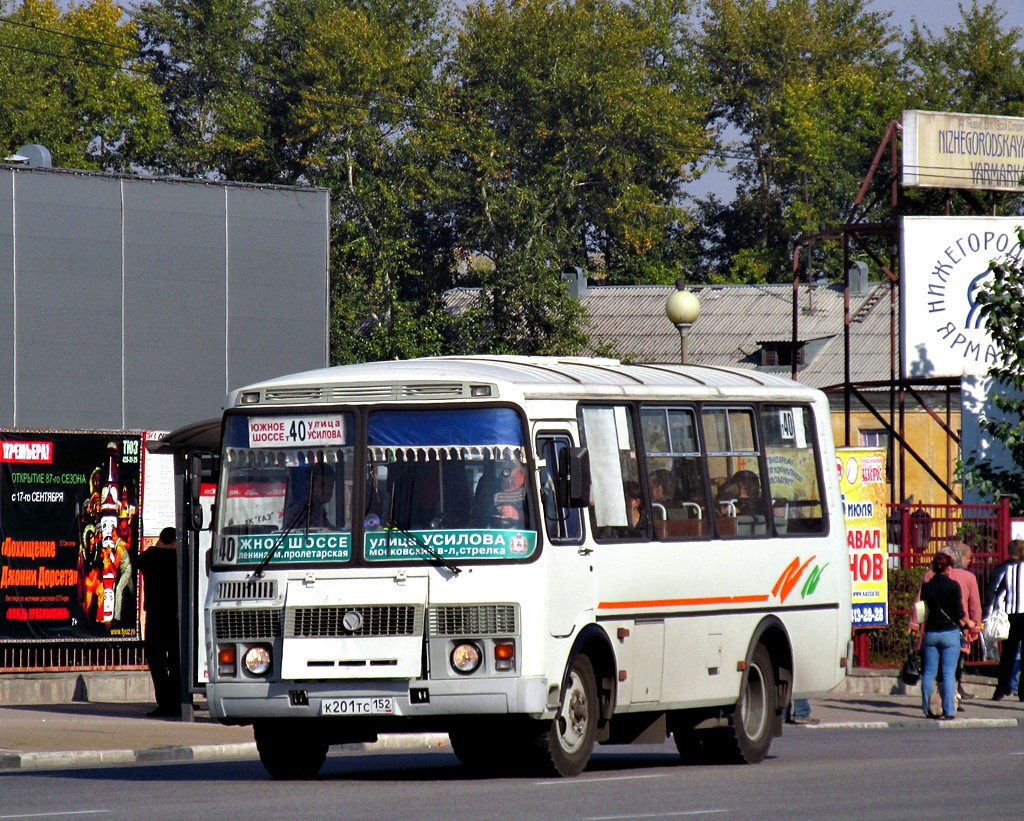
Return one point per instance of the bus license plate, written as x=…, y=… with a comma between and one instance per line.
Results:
x=356, y=706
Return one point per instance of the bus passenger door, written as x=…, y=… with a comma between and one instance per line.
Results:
x=570, y=577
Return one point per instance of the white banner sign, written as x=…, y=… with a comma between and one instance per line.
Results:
x=945, y=263
x=951, y=150
x=283, y=431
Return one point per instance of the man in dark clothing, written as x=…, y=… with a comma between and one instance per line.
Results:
x=159, y=566
x=1006, y=593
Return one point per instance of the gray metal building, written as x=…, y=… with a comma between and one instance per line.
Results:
x=136, y=303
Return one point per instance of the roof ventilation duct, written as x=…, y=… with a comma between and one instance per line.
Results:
x=32, y=155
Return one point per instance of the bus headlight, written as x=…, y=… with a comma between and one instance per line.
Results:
x=465, y=658
x=257, y=660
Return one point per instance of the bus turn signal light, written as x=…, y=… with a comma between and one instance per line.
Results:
x=227, y=660
x=504, y=655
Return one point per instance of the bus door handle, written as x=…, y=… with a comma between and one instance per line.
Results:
x=585, y=551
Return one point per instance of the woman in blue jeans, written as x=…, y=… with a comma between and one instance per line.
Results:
x=941, y=644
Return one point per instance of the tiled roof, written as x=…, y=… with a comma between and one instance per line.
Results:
x=734, y=322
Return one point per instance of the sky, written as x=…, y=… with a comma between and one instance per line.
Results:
x=936, y=14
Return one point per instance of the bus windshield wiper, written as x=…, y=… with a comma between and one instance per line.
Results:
x=299, y=515
x=453, y=568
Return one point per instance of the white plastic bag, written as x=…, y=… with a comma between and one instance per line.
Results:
x=997, y=626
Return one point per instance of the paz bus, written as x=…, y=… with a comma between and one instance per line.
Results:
x=533, y=555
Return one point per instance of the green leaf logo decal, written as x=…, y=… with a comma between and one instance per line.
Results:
x=812, y=581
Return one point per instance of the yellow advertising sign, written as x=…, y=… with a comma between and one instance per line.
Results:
x=865, y=494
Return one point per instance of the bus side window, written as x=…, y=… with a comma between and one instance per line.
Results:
x=562, y=524
x=793, y=470
x=675, y=476
x=735, y=470
x=618, y=508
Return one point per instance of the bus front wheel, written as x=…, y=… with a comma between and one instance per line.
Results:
x=563, y=745
x=288, y=751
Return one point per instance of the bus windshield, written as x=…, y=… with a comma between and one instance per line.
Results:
x=286, y=489
x=449, y=483
x=443, y=485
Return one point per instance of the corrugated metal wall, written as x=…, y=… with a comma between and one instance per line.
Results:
x=137, y=303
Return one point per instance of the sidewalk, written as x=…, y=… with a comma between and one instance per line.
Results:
x=98, y=733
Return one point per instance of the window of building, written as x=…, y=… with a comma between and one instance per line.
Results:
x=874, y=438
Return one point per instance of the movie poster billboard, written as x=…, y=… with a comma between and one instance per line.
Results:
x=865, y=491
x=69, y=535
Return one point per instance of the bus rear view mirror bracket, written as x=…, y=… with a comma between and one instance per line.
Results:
x=577, y=480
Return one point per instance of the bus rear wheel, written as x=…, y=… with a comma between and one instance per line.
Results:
x=289, y=751
x=752, y=725
x=562, y=746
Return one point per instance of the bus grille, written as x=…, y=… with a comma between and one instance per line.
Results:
x=263, y=589
x=373, y=620
x=473, y=620
x=247, y=623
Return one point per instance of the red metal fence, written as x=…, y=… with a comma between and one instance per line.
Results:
x=48, y=657
x=915, y=533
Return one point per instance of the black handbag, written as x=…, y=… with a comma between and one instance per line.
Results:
x=911, y=672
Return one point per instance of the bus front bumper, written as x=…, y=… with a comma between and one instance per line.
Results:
x=245, y=701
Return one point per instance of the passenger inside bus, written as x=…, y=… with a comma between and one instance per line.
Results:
x=748, y=492
x=663, y=485
x=740, y=500
x=635, y=504
x=509, y=500
x=311, y=496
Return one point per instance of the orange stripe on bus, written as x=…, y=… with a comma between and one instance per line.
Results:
x=616, y=605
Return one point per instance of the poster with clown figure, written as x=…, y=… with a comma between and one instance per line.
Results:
x=69, y=531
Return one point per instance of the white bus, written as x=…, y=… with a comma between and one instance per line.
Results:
x=533, y=555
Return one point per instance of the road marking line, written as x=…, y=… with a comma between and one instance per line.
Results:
x=54, y=814
x=569, y=782
x=654, y=815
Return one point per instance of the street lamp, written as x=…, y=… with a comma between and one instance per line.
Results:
x=682, y=309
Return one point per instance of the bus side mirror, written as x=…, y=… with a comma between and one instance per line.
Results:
x=577, y=478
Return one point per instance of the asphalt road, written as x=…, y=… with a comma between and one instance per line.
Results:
x=889, y=774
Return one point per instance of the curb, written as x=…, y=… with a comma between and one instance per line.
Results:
x=918, y=724
x=196, y=752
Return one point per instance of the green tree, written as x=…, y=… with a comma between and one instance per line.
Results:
x=807, y=87
x=70, y=81
x=1002, y=307
x=974, y=66
x=352, y=111
x=576, y=126
x=201, y=55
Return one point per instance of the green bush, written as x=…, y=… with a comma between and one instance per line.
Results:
x=889, y=646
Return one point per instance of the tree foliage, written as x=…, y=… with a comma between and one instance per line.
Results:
x=356, y=102
x=807, y=87
x=201, y=55
x=575, y=126
x=71, y=82
x=974, y=66
x=495, y=143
